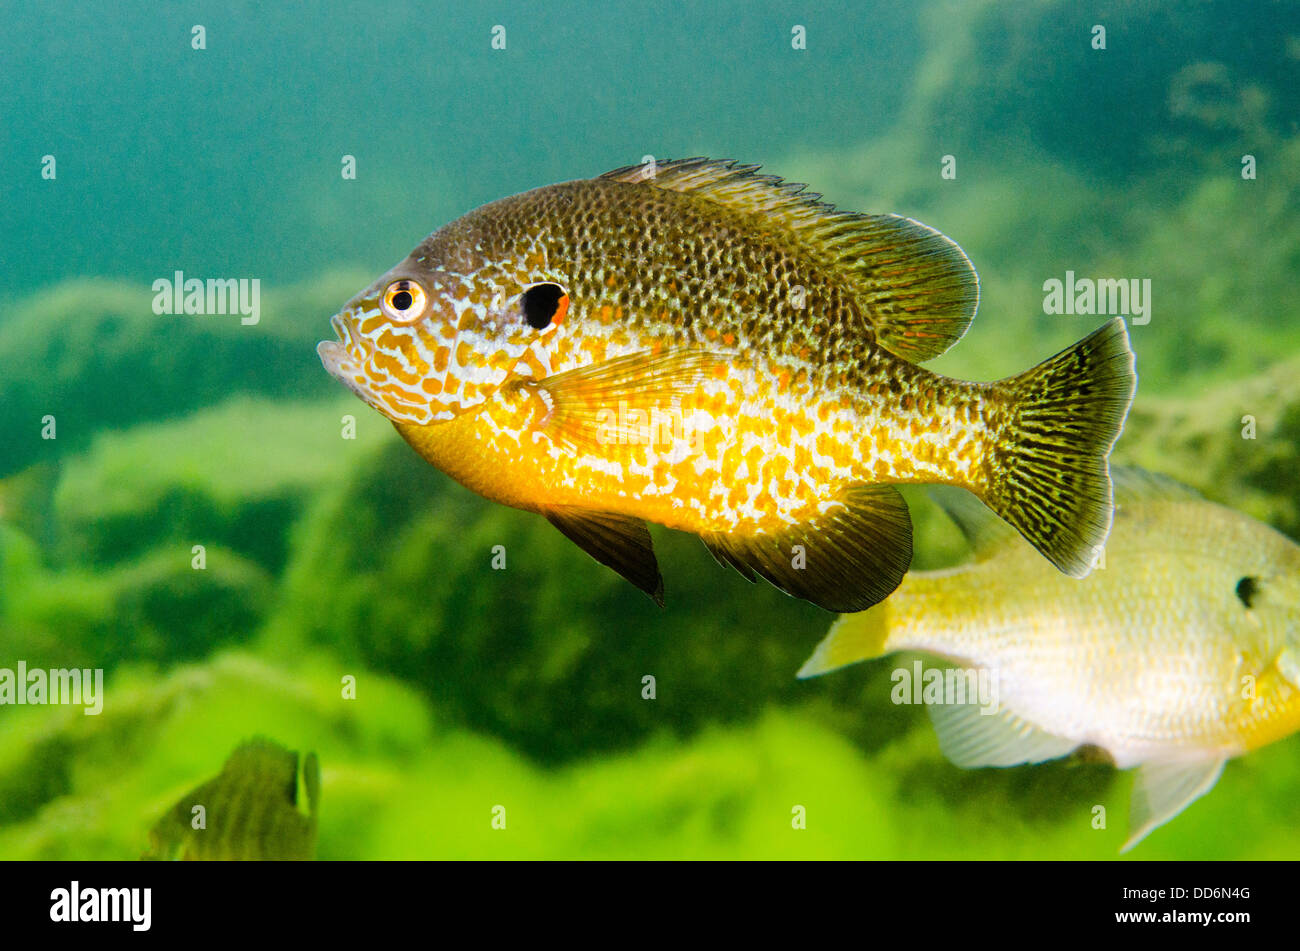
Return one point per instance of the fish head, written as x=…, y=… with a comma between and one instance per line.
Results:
x=1265, y=600
x=1271, y=594
x=437, y=335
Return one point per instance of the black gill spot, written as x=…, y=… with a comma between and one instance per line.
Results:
x=539, y=304
x=1247, y=589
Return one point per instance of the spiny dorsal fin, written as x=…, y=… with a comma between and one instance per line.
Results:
x=915, y=285
x=986, y=533
x=845, y=559
x=1133, y=484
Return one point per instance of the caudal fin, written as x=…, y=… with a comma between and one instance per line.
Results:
x=853, y=637
x=1050, y=476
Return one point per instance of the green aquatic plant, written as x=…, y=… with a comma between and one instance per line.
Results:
x=78, y=352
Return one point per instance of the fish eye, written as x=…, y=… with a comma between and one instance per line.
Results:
x=544, y=304
x=404, y=301
x=1248, y=590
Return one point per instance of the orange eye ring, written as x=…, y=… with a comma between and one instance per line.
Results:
x=404, y=302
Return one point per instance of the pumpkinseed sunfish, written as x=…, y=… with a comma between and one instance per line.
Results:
x=697, y=345
x=249, y=810
x=1180, y=653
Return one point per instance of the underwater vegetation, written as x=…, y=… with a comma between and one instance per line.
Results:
x=249, y=551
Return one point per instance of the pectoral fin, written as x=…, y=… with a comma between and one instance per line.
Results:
x=626, y=400
x=846, y=559
x=618, y=541
x=1163, y=790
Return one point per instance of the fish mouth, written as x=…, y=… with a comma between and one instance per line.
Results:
x=336, y=357
x=333, y=353
x=346, y=359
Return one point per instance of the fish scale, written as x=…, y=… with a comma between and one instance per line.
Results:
x=779, y=338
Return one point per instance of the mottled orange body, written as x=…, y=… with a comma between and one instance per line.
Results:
x=715, y=351
x=774, y=448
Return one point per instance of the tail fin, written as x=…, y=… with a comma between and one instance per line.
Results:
x=853, y=637
x=1050, y=476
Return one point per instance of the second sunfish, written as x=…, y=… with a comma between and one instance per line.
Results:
x=694, y=344
x=1182, y=653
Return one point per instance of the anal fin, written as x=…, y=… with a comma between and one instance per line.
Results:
x=846, y=559
x=617, y=541
x=1163, y=790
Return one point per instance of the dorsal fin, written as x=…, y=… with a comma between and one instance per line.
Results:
x=986, y=533
x=915, y=285
x=1133, y=484
x=311, y=782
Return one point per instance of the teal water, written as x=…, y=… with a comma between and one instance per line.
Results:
x=327, y=558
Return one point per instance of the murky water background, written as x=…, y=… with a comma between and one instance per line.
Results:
x=1169, y=156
